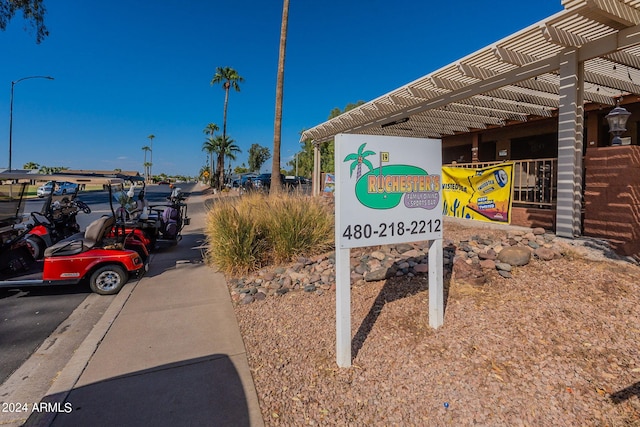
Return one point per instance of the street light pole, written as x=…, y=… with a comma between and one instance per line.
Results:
x=13, y=83
x=296, y=157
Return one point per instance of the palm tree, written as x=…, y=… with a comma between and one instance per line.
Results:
x=277, y=131
x=210, y=130
x=52, y=169
x=230, y=153
x=210, y=146
x=358, y=159
x=151, y=150
x=146, y=148
x=224, y=147
x=229, y=78
x=31, y=165
x=147, y=168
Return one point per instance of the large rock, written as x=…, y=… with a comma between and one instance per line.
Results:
x=515, y=255
x=413, y=253
x=421, y=268
x=488, y=264
x=403, y=247
x=381, y=273
x=545, y=254
x=470, y=274
x=489, y=254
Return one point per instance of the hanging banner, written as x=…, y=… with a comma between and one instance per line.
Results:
x=480, y=194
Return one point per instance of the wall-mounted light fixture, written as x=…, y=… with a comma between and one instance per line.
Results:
x=617, y=119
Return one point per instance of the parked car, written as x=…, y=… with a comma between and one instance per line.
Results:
x=241, y=181
x=295, y=180
x=60, y=188
x=264, y=180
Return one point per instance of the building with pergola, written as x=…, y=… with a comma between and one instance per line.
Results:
x=540, y=98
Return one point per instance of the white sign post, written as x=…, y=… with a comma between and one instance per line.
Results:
x=388, y=190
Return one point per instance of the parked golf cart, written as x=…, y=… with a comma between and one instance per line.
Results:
x=105, y=262
x=157, y=224
x=13, y=249
x=57, y=218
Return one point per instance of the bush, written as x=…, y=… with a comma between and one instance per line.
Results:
x=296, y=225
x=251, y=231
x=234, y=240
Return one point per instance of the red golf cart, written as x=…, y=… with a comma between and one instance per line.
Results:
x=101, y=255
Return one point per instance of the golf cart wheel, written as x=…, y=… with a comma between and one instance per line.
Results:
x=36, y=246
x=108, y=280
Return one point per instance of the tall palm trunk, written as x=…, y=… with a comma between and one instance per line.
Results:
x=151, y=157
x=227, y=85
x=220, y=170
x=220, y=164
x=212, y=171
x=211, y=132
x=276, y=185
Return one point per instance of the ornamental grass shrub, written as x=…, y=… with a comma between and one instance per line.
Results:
x=249, y=232
x=235, y=240
x=297, y=225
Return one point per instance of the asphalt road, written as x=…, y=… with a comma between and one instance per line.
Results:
x=29, y=315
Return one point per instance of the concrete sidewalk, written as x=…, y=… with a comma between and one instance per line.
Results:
x=168, y=352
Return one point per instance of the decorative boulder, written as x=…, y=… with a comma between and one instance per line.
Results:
x=470, y=274
x=515, y=255
x=381, y=273
x=545, y=254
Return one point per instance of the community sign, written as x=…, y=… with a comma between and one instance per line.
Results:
x=390, y=190
x=479, y=194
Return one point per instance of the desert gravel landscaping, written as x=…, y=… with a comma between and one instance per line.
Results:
x=554, y=345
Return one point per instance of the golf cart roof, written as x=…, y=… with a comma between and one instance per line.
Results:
x=114, y=175
x=18, y=176
x=76, y=179
x=85, y=179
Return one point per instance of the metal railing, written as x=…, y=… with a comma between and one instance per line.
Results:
x=534, y=181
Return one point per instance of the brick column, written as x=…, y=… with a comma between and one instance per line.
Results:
x=612, y=197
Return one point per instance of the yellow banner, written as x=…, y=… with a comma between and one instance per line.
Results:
x=480, y=194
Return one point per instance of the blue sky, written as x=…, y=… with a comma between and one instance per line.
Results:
x=126, y=69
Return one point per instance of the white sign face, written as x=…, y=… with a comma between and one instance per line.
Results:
x=388, y=190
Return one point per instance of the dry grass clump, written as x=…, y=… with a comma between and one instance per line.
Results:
x=251, y=231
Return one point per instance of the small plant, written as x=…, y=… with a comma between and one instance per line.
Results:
x=249, y=232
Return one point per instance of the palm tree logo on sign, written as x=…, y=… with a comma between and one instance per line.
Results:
x=385, y=188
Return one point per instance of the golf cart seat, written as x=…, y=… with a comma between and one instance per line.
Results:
x=82, y=242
